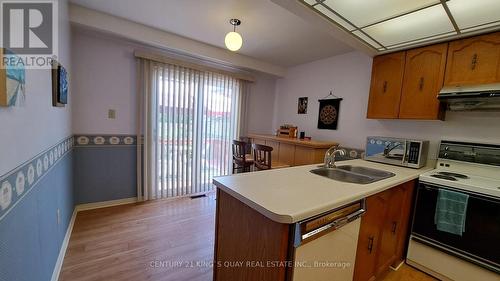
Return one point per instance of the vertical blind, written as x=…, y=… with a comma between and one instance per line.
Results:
x=188, y=119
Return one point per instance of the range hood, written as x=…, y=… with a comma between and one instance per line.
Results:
x=483, y=97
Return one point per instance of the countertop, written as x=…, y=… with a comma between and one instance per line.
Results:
x=295, y=141
x=293, y=194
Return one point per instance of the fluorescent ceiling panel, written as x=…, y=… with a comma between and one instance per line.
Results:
x=421, y=24
x=430, y=39
x=364, y=12
x=473, y=13
x=367, y=39
x=401, y=24
x=329, y=14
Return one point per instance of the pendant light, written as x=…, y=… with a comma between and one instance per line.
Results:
x=233, y=39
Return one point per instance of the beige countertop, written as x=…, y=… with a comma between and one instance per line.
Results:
x=295, y=141
x=293, y=194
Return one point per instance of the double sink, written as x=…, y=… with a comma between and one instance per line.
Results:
x=353, y=174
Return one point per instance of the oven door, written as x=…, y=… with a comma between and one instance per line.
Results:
x=478, y=244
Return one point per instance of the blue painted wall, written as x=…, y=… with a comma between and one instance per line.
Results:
x=30, y=236
x=104, y=173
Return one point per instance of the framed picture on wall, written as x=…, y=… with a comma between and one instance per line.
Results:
x=302, y=105
x=59, y=85
x=12, y=80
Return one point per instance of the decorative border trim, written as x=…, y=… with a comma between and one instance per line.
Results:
x=105, y=140
x=17, y=183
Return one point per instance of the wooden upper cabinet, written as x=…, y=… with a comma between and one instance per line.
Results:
x=423, y=79
x=385, y=89
x=474, y=60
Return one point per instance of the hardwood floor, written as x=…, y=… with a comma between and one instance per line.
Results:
x=143, y=242
x=408, y=273
x=157, y=240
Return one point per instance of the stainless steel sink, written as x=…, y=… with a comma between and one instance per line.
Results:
x=353, y=174
x=367, y=171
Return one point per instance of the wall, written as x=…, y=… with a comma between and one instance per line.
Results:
x=106, y=70
x=31, y=231
x=349, y=77
x=260, y=105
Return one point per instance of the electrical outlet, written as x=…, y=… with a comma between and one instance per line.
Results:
x=58, y=216
x=111, y=114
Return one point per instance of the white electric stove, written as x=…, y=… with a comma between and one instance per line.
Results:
x=469, y=169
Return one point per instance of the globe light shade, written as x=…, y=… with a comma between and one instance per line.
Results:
x=233, y=41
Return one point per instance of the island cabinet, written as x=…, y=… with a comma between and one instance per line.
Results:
x=250, y=246
x=292, y=151
x=384, y=232
x=247, y=243
x=474, y=60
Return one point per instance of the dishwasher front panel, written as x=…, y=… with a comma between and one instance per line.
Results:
x=328, y=257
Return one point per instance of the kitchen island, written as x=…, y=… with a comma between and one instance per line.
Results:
x=257, y=214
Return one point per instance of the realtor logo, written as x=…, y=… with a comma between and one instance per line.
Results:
x=29, y=30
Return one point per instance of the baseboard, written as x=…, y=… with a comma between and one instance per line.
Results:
x=64, y=246
x=104, y=204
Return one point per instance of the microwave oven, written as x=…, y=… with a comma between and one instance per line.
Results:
x=397, y=151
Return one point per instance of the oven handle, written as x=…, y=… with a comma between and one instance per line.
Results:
x=486, y=197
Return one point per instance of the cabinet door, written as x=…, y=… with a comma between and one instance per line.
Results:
x=369, y=237
x=388, y=248
x=276, y=148
x=474, y=60
x=287, y=153
x=423, y=79
x=385, y=89
x=303, y=156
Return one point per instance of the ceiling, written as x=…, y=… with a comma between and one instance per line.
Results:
x=388, y=25
x=270, y=33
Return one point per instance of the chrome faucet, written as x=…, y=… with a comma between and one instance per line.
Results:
x=330, y=156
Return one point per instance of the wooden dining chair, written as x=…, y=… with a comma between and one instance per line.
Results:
x=262, y=156
x=241, y=160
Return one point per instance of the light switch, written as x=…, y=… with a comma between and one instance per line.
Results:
x=111, y=114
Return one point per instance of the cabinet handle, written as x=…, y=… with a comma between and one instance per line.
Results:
x=473, y=62
x=370, y=244
x=385, y=87
x=421, y=83
x=394, y=226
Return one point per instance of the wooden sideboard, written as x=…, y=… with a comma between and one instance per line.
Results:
x=292, y=151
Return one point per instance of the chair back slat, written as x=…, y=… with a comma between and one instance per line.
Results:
x=262, y=156
x=239, y=148
x=241, y=163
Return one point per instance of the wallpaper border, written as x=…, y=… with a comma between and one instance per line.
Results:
x=17, y=183
x=82, y=140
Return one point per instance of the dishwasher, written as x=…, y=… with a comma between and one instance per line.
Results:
x=325, y=246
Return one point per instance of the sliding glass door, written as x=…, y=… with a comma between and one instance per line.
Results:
x=193, y=120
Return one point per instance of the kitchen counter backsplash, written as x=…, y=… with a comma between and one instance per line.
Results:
x=351, y=153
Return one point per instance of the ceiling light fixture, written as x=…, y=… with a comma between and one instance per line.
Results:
x=233, y=39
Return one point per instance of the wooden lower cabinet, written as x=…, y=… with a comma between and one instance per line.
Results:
x=245, y=240
x=384, y=231
x=294, y=152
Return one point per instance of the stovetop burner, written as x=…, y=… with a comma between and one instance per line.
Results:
x=445, y=177
x=455, y=175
